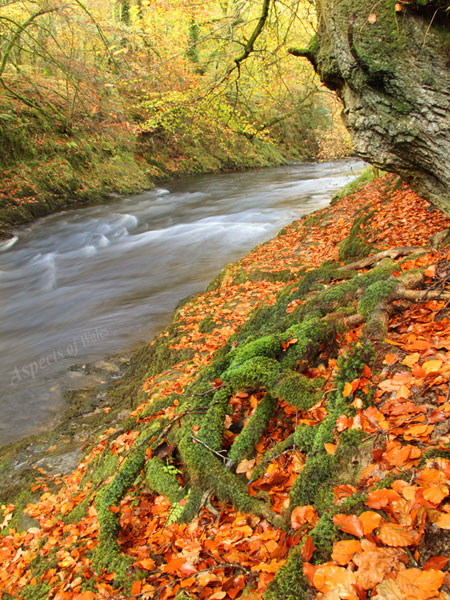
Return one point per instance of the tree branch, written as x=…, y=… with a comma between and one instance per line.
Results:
x=250, y=45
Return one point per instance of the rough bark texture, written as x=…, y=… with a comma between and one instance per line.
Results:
x=393, y=76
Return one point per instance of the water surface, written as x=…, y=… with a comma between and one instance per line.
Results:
x=89, y=282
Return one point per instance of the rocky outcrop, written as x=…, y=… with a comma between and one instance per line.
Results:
x=390, y=64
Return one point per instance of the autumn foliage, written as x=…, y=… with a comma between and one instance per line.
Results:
x=378, y=524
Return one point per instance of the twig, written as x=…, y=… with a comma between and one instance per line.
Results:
x=198, y=440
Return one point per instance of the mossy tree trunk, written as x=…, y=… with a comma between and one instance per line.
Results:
x=389, y=64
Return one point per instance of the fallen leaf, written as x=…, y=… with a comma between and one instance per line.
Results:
x=419, y=584
x=392, y=534
x=308, y=548
x=370, y=521
x=349, y=524
x=302, y=515
x=344, y=550
x=436, y=562
x=381, y=498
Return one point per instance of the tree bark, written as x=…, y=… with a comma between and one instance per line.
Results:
x=390, y=68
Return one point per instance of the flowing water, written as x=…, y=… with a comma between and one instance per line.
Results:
x=93, y=281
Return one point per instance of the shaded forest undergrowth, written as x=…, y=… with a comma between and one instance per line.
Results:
x=288, y=435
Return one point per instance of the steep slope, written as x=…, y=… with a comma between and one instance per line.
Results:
x=290, y=435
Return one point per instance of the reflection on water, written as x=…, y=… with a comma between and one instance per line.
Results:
x=87, y=282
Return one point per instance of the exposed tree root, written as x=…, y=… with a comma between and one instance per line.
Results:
x=266, y=361
x=392, y=253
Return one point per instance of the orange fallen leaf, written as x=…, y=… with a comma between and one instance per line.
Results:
x=436, y=562
x=308, y=548
x=330, y=448
x=392, y=534
x=330, y=577
x=343, y=491
x=436, y=493
x=302, y=515
x=418, y=584
x=432, y=366
x=146, y=563
x=443, y=521
x=390, y=359
x=136, y=588
x=348, y=389
x=411, y=359
x=271, y=567
x=381, y=498
x=344, y=550
x=370, y=521
x=349, y=524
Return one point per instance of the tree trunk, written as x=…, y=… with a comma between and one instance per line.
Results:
x=389, y=64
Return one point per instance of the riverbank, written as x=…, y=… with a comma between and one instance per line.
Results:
x=45, y=169
x=284, y=368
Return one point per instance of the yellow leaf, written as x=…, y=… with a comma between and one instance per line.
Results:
x=348, y=389
x=330, y=448
x=411, y=359
x=432, y=366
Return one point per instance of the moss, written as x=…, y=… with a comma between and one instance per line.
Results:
x=308, y=488
x=355, y=244
x=107, y=553
x=297, y=390
x=268, y=345
x=374, y=294
x=324, y=534
x=441, y=452
x=289, y=582
x=353, y=186
x=245, y=442
x=304, y=437
x=36, y=592
x=212, y=425
x=194, y=501
x=209, y=471
x=272, y=276
x=256, y=372
x=207, y=325
x=162, y=479
x=309, y=334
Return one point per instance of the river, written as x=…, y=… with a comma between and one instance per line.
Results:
x=93, y=281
